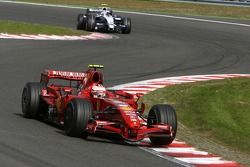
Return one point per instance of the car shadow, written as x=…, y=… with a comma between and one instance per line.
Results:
x=51, y=124
x=110, y=138
x=19, y=114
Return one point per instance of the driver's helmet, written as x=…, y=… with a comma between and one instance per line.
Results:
x=98, y=91
x=103, y=10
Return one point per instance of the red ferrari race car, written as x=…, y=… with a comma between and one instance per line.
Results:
x=79, y=102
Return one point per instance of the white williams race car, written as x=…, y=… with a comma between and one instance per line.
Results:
x=102, y=19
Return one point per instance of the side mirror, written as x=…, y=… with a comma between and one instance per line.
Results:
x=138, y=95
x=141, y=109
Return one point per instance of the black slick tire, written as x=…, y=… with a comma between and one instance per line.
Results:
x=32, y=104
x=80, y=22
x=162, y=114
x=90, y=22
x=76, y=117
x=128, y=25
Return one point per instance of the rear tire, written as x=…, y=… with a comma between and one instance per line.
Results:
x=76, y=117
x=80, y=22
x=127, y=23
x=32, y=104
x=162, y=114
x=90, y=23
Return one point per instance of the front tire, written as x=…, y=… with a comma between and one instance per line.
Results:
x=162, y=114
x=128, y=25
x=32, y=104
x=90, y=23
x=77, y=115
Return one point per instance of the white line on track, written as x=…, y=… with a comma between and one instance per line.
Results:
x=172, y=159
x=138, y=13
x=205, y=161
x=180, y=150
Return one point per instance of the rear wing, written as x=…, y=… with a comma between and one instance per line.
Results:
x=66, y=75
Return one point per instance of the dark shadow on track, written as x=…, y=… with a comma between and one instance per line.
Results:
x=110, y=138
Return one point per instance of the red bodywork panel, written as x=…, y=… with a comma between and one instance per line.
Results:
x=117, y=112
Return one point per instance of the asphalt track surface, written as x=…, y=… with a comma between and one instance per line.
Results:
x=157, y=47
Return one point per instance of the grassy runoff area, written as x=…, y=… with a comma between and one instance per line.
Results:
x=217, y=110
x=160, y=7
x=13, y=27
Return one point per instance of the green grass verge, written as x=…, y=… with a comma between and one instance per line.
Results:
x=13, y=27
x=218, y=110
x=161, y=7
